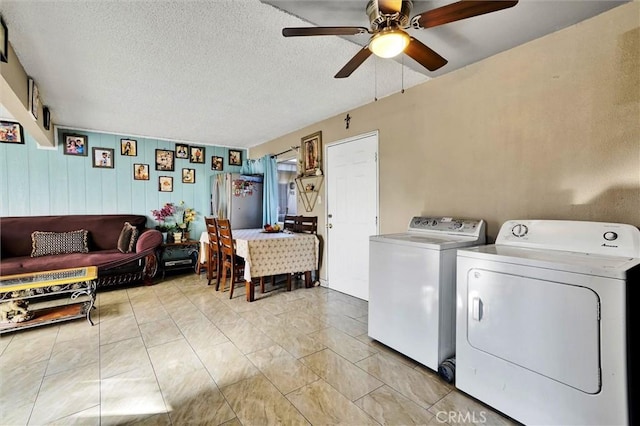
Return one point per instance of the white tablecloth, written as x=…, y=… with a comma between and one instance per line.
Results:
x=268, y=254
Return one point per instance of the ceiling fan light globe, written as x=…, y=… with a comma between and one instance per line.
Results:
x=389, y=43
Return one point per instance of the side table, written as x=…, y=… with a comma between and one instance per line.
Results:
x=177, y=256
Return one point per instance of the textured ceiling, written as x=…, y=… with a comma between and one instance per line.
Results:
x=220, y=72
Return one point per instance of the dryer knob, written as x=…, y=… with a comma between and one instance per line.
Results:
x=610, y=236
x=519, y=230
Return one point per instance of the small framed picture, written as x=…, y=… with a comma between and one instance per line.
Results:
x=164, y=160
x=182, y=151
x=188, y=175
x=235, y=157
x=4, y=42
x=46, y=117
x=129, y=147
x=217, y=163
x=103, y=158
x=196, y=154
x=165, y=184
x=34, y=98
x=75, y=145
x=11, y=132
x=311, y=153
x=140, y=171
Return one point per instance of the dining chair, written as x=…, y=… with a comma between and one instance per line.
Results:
x=229, y=261
x=307, y=225
x=213, y=251
x=289, y=223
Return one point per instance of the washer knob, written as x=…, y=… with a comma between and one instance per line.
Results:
x=519, y=230
x=610, y=236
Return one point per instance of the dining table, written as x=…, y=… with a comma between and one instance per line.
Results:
x=271, y=253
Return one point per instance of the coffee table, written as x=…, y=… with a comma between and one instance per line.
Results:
x=48, y=285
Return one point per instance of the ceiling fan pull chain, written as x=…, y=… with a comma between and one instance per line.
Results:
x=375, y=79
x=402, y=65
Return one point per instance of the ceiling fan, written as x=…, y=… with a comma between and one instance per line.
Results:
x=390, y=18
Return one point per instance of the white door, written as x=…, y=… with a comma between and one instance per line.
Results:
x=352, y=210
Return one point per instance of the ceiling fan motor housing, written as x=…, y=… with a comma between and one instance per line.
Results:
x=381, y=20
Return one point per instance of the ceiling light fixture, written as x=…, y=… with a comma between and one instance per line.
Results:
x=389, y=42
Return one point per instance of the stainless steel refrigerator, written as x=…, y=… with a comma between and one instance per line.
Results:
x=238, y=198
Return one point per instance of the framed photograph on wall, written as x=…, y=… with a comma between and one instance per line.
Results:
x=165, y=160
x=140, y=171
x=4, y=41
x=188, y=175
x=103, y=158
x=311, y=153
x=217, y=163
x=46, y=117
x=34, y=98
x=196, y=154
x=235, y=157
x=129, y=147
x=182, y=151
x=11, y=132
x=75, y=145
x=165, y=184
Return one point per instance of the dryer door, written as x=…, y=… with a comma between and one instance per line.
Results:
x=550, y=328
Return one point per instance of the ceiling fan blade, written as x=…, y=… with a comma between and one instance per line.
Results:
x=354, y=63
x=424, y=55
x=456, y=11
x=389, y=7
x=320, y=31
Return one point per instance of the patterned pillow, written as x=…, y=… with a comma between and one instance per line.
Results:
x=46, y=243
x=127, y=239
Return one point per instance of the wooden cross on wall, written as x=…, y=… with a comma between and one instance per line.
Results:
x=347, y=119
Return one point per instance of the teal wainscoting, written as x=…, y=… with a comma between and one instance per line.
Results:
x=37, y=182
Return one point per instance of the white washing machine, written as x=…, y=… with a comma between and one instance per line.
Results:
x=412, y=286
x=544, y=322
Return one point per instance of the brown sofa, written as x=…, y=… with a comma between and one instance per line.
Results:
x=114, y=267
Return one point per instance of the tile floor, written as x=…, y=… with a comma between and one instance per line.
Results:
x=181, y=353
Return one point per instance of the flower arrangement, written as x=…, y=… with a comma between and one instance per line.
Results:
x=188, y=216
x=163, y=216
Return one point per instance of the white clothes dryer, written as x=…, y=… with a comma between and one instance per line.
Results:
x=412, y=286
x=544, y=323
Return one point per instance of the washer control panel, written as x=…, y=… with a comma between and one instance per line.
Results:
x=471, y=227
x=613, y=239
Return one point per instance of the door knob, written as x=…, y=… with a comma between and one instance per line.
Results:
x=330, y=226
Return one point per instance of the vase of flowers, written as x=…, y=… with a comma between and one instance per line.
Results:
x=188, y=216
x=164, y=216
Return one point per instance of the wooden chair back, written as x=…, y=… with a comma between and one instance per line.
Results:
x=229, y=261
x=213, y=257
x=307, y=224
x=225, y=238
x=290, y=223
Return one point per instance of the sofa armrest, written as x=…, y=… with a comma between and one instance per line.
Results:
x=149, y=239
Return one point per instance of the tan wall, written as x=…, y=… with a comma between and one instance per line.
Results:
x=14, y=97
x=547, y=130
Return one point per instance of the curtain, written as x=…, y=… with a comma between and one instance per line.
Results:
x=268, y=168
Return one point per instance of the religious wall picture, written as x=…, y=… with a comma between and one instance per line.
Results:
x=140, y=171
x=75, y=145
x=182, y=151
x=4, y=41
x=196, y=154
x=34, y=98
x=311, y=153
x=217, y=163
x=102, y=158
x=164, y=160
x=235, y=157
x=165, y=184
x=11, y=132
x=188, y=175
x=129, y=147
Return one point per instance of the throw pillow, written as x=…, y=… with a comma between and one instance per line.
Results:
x=127, y=239
x=47, y=243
